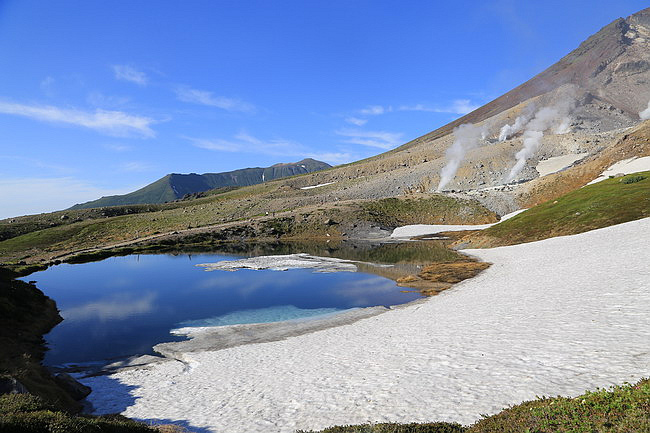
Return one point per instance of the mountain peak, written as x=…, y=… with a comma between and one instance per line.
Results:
x=174, y=185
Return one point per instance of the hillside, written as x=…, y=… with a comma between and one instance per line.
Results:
x=602, y=83
x=175, y=186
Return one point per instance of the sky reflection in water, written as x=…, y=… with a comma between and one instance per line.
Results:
x=122, y=306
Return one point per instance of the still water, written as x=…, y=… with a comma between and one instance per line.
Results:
x=122, y=306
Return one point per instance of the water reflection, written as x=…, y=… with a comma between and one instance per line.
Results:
x=123, y=306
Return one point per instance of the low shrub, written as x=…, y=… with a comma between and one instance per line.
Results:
x=436, y=427
x=632, y=179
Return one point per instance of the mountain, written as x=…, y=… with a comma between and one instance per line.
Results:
x=605, y=82
x=174, y=186
x=610, y=68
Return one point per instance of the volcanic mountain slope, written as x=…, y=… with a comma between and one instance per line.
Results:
x=605, y=82
x=174, y=186
x=603, y=86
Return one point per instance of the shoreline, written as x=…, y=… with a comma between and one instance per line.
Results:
x=551, y=317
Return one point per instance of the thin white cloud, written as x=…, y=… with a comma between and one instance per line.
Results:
x=129, y=73
x=135, y=166
x=114, y=123
x=333, y=158
x=356, y=121
x=217, y=144
x=204, y=97
x=24, y=196
x=457, y=106
x=374, y=110
x=98, y=99
x=120, y=307
x=22, y=162
x=116, y=147
x=380, y=139
x=47, y=86
x=243, y=142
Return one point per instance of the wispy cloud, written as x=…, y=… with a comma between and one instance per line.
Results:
x=374, y=110
x=457, y=106
x=47, y=86
x=216, y=144
x=135, y=166
x=19, y=162
x=356, y=121
x=379, y=139
x=22, y=196
x=98, y=99
x=117, y=308
x=244, y=142
x=116, y=147
x=114, y=123
x=333, y=158
x=204, y=97
x=129, y=73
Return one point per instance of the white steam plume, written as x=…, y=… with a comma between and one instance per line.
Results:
x=645, y=114
x=466, y=137
x=508, y=131
x=556, y=117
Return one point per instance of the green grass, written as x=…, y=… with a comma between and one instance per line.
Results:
x=438, y=427
x=437, y=209
x=621, y=409
x=25, y=413
x=612, y=201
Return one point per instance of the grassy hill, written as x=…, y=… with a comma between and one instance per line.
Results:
x=175, y=186
x=612, y=201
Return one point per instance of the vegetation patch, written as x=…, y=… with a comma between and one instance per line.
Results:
x=606, y=203
x=436, y=427
x=452, y=272
x=620, y=409
x=432, y=209
x=632, y=179
x=25, y=315
x=439, y=276
x=25, y=413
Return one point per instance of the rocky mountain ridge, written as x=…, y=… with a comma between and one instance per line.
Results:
x=175, y=186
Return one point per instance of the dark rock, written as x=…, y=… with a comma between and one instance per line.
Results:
x=9, y=385
x=77, y=390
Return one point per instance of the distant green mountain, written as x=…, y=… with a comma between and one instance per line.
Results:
x=174, y=186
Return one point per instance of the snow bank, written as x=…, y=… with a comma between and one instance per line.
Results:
x=626, y=166
x=284, y=263
x=551, y=317
x=317, y=186
x=557, y=163
x=407, y=232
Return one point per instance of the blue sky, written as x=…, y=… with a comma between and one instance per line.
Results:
x=100, y=98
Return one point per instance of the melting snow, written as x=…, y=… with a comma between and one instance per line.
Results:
x=407, y=232
x=558, y=163
x=317, y=186
x=551, y=317
x=283, y=263
x=626, y=166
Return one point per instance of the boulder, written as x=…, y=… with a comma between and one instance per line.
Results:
x=77, y=390
x=9, y=385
